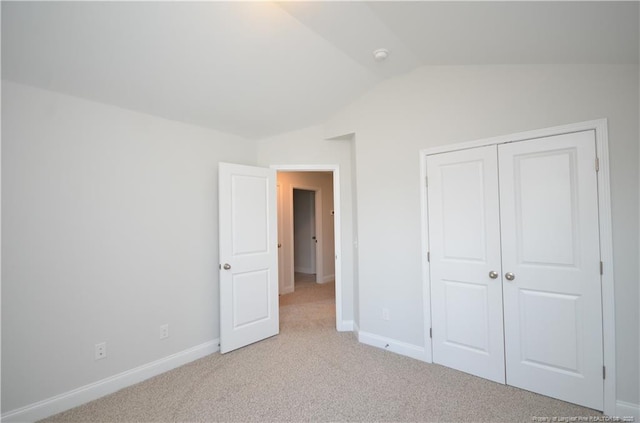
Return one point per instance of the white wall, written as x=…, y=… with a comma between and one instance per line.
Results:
x=109, y=229
x=447, y=104
x=109, y=216
x=308, y=147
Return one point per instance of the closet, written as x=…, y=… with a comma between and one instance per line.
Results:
x=515, y=264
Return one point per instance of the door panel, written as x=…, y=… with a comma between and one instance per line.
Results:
x=545, y=207
x=248, y=255
x=469, y=300
x=249, y=214
x=465, y=246
x=552, y=349
x=463, y=211
x=250, y=289
x=552, y=308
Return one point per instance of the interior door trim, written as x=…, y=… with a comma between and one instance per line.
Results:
x=599, y=126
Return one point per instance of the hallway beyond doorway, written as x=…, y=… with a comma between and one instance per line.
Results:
x=310, y=305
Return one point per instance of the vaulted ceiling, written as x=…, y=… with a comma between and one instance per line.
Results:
x=259, y=68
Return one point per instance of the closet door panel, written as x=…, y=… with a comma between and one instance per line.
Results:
x=552, y=305
x=464, y=241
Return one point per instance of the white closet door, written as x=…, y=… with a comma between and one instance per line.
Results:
x=552, y=306
x=464, y=242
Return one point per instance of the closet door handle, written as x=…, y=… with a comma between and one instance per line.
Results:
x=509, y=276
x=493, y=274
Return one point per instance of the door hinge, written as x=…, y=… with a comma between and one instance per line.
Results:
x=604, y=372
x=220, y=266
x=601, y=268
x=426, y=181
x=430, y=332
x=428, y=256
x=597, y=164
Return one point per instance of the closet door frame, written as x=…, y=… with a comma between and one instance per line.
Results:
x=599, y=127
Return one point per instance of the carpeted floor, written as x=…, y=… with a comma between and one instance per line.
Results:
x=310, y=372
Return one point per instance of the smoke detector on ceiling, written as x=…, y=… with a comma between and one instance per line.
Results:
x=380, y=54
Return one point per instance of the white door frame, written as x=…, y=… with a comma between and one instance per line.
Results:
x=599, y=127
x=279, y=189
x=337, y=229
x=318, y=228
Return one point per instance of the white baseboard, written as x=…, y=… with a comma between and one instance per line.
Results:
x=286, y=290
x=305, y=270
x=393, y=345
x=627, y=409
x=345, y=326
x=92, y=391
x=328, y=278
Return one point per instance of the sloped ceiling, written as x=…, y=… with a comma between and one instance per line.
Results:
x=258, y=68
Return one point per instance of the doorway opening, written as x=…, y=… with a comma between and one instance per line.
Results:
x=309, y=229
x=307, y=257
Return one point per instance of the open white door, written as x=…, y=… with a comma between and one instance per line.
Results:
x=248, y=255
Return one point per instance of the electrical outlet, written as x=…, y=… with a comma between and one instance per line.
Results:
x=385, y=314
x=164, y=331
x=101, y=351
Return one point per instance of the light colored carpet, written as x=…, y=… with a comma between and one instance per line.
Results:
x=310, y=372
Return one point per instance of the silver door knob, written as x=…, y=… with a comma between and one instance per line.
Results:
x=493, y=274
x=226, y=266
x=509, y=276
